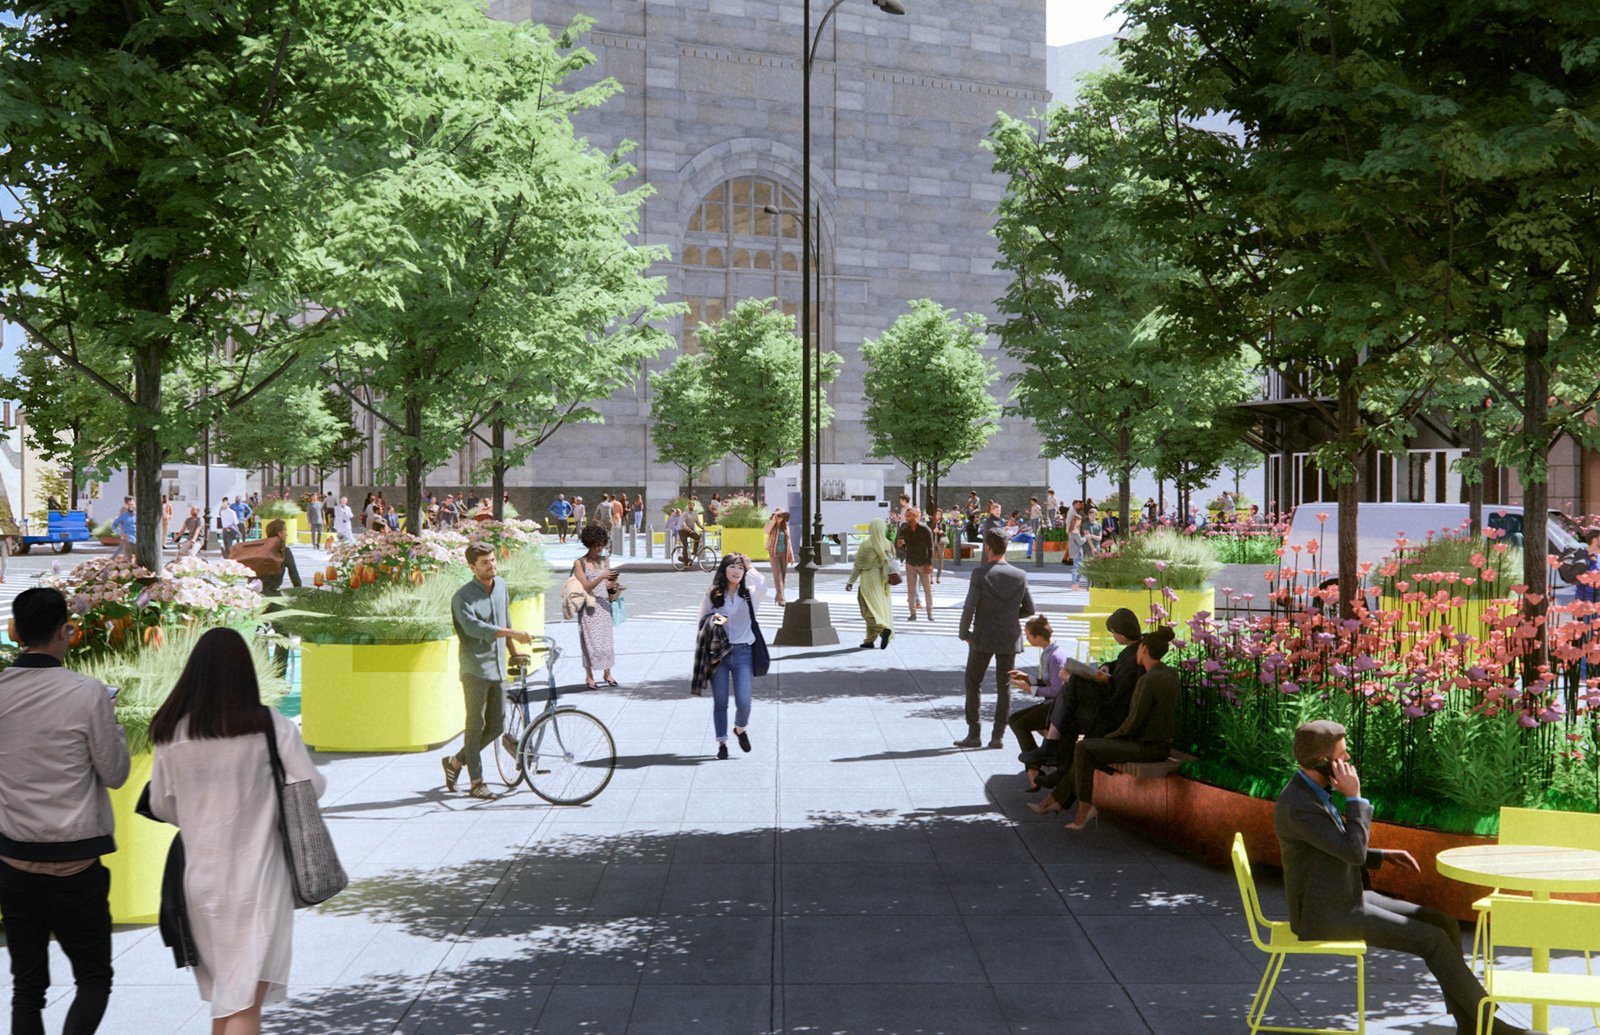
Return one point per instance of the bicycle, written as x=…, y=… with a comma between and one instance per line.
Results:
x=565, y=754
x=705, y=558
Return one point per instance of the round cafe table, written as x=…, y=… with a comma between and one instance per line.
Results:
x=1539, y=870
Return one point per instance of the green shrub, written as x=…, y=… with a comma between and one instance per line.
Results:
x=1189, y=562
x=384, y=612
x=681, y=503
x=1454, y=554
x=271, y=509
x=526, y=573
x=742, y=512
x=1246, y=549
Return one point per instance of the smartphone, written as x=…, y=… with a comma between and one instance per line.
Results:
x=1324, y=766
x=113, y=691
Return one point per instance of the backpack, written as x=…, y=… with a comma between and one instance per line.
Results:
x=262, y=556
x=1573, y=563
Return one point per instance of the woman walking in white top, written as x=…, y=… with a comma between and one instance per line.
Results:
x=735, y=595
x=212, y=777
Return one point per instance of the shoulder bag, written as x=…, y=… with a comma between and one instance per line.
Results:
x=760, y=657
x=315, y=874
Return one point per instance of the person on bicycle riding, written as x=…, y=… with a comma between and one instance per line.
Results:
x=481, y=613
x=691, y=531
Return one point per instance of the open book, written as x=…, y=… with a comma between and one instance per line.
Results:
x=1074, y=667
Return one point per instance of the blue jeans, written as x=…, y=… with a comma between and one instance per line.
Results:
x=739, y=669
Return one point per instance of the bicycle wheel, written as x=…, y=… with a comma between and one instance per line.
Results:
x=568, y=756
x=707, y=559
x=505, y=746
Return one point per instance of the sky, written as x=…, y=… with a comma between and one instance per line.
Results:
x=1068, y=21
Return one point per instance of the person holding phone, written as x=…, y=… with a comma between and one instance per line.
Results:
x=1326, y=854
x=731, y=602
x=594, y=623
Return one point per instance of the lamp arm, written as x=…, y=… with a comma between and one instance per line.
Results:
x=816, y=41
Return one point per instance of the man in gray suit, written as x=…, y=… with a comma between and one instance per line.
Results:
x=997, y=601
x=1325, y=856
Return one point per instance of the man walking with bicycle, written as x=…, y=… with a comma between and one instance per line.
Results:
x=481, y=613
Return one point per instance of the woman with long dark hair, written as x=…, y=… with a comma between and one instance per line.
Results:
x=212, y=777
x=735, y=593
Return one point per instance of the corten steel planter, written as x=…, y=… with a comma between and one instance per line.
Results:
x=1202, y=819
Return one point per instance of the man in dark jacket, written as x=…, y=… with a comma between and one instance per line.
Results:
x=1325, y=859
x=991, y=624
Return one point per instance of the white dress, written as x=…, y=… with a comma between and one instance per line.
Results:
x=221, y=796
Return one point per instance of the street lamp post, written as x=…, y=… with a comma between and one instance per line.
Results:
x=805, y=619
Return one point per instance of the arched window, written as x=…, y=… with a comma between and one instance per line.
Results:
x=748, y=230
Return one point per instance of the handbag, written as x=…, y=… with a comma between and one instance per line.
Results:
x=262, y=556
x=315, y=874
x=760, y=657
x=894, y=578
x=619, y=611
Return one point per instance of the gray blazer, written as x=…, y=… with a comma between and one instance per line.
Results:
x=1324, y=868
x=997, y=600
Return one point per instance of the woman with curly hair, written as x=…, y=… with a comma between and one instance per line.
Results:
x=736, y=591
x=594, y=622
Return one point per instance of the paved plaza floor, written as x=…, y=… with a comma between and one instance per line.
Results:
x=852, y=874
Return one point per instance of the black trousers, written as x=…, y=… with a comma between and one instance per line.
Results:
x=1393, y=923
x=75, y=910
x=1030, y=720
x=1094, y=751
x=977, y=664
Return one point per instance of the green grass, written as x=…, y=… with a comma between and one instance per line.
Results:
x=1190, y=562
x=526, y=574
x=285, y=509
x=1246, y=549
x=148, y=674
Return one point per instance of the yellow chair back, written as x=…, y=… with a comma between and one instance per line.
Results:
x=1530, y=924
x=1247, y=892
x=1548, y=827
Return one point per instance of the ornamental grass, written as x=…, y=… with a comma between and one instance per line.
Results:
x=1157, y=561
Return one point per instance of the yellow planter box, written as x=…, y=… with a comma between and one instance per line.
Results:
x=1104, y=601
x=527, y=614
x=380, y=697
x=752, y=542
x=141, y=856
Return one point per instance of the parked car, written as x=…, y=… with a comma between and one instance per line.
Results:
x=1380, y=524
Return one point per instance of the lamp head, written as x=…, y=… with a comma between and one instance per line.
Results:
x=889, y=6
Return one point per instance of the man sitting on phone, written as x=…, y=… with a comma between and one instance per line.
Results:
x=1325, y=859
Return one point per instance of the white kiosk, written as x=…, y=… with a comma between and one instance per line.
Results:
x=852, y=495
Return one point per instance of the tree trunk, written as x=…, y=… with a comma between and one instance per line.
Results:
x=147, y=455
x=414, y=471
x=1535, y=481
x=1349, y=492
x=1124, y=470
x=497, y=438
x=755, y=478
x=1475, y=487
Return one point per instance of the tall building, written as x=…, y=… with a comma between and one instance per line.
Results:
x=902, y=186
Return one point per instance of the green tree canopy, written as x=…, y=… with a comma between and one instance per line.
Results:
x=753, y=376
x=927, y=388
x=683, y=420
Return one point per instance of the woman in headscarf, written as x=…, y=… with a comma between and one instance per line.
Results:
x=874, y=565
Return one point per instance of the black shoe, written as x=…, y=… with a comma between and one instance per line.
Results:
x=1049, y=779
x=868, y=645
x=883, y=639
x=722, y=750
x=1047, y=754
x=744, y=739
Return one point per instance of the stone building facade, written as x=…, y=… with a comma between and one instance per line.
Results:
x=903, y=189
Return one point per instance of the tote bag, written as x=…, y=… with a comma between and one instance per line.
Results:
x=315, y=874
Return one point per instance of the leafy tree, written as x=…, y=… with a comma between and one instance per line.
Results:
x=520, y=217
x=927, y=386
x=187, y=177
x=754, y=376
x=684, y=421
x=295, y=423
